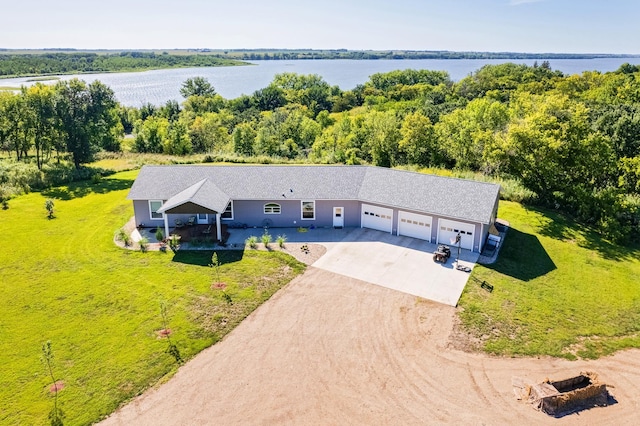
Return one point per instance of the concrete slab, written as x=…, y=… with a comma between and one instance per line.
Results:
x=400, y=263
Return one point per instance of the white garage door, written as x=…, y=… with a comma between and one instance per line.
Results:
x=448, y=229
x=414, y=225
x=375, y=217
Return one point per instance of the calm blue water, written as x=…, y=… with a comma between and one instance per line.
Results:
x=157, y=87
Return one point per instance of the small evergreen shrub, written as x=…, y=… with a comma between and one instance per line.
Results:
x=159, y=235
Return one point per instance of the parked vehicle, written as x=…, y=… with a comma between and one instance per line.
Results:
x=442, y=254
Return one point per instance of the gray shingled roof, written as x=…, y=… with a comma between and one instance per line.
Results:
x=216, y=185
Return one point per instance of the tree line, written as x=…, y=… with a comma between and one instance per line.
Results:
x=70, y=63
x=574, y=141
x=287, y=54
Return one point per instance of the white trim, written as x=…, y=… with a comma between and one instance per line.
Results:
x=151, y=210
x=166, y=226
x=271, y=205
x=218, y=228
x=302, y=210
x=225, y=210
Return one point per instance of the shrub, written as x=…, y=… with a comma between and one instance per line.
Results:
x=252, y=242
x=266, y=240
x=48, y=205
x=281, y=240
x=144, y=244
x=174, y=242
x=159, y=234
x=121, y=235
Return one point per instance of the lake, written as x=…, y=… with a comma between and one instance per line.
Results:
x=159, y=86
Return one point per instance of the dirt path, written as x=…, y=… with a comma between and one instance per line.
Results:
x=333, y=350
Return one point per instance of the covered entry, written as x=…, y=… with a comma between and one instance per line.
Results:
x=448, y=229
x=414, y=225
x=376, y=217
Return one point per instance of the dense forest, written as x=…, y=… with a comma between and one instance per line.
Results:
x=572, y=141
x=13, y=64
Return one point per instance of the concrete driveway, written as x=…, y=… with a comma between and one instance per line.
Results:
x=400, y=263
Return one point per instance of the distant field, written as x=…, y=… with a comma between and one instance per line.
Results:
x=559, y=290
x=64, y=280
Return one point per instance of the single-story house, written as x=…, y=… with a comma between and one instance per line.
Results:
x=428, y=207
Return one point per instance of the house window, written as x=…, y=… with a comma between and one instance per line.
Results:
x=308, y=210
x=272, y=208
x=154, y=205
x=228, y=212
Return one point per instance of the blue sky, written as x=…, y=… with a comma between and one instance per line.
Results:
x=567, y=26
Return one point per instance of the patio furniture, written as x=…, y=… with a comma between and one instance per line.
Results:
x=207, y=231
x=191, y=221
x=179, y=223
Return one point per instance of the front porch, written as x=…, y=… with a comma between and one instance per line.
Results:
x=190, y=236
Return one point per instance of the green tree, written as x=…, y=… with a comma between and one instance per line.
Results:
x=551, y=147
x=56, y=415
x=419, y=142
x=244, y=136
x=310, y=91
x=197, y=86
x=209, y=132
x=383, y=137
x=177, y=141
x=151, y=134
x=269, y=98
x=86, y=117
x=468, y=134
x=14, y=128
x=39, y=111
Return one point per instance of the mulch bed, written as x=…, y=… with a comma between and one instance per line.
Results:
x=165, y=332
x=57, y=386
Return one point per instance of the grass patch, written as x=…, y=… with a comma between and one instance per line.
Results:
x=43, y=78
x=559, y=290
x=64, y=280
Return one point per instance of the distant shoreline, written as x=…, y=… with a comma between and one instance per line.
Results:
x=280, y=54
x=25, y=63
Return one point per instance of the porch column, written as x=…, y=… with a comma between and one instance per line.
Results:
x=166, y=225
x=218, y=227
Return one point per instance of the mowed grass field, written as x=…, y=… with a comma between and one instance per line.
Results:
x=63, y=280
x=559, y=290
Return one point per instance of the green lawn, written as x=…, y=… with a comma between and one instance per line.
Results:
x=559, y=290
x=65, y=281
